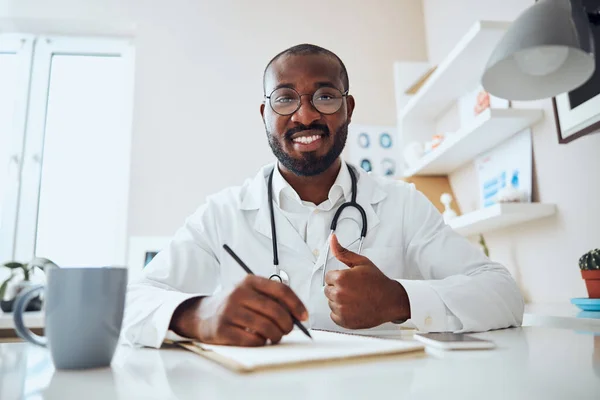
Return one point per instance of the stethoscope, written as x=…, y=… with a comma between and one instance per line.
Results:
x=282, y=276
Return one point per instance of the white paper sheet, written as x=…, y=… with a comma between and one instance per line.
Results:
x=297, y=348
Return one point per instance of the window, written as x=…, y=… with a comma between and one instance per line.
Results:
x=15, y=72
x=74, y=154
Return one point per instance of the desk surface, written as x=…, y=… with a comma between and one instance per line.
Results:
x=561, y=315
x=531, y=362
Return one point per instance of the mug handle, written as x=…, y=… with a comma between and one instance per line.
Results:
x=20, y=304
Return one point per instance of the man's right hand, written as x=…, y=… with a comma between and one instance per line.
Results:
x=257, y=310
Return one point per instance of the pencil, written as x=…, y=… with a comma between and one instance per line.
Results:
x=249, y=271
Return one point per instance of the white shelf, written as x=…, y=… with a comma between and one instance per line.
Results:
x=500, y=216
x=488, y=130
x=459, y=72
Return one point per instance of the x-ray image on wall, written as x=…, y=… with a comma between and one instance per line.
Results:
x=366, y=164
x=364, y=140
x=385, y=140
x=388, y=167
x=373, y=148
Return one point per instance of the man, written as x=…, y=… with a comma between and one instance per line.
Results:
x=411, y=268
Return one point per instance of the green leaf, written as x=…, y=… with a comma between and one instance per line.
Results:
x=14, y=265
x=25, y=273
x=4, y=286
x=42, y=263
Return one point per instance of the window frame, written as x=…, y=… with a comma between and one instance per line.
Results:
x=24, y=237
x=21, y=45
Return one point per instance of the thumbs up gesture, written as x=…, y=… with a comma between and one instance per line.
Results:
x=362, y=296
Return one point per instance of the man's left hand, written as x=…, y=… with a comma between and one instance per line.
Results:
x=362, y=296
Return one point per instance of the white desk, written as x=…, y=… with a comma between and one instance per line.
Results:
x=529, y=363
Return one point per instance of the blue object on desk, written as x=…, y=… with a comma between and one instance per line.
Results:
x=587, y=304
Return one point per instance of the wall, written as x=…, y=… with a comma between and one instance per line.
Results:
x=542, y=255
x=197, y=126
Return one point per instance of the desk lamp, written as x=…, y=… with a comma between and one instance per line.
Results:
x=547, y=50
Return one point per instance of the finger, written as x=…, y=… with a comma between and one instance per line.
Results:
x=271, y=309
x=240, y=336
x=281, y=293
x=337, y=319
x=331, y=292
x=346, y=256
x=257, y=323
x=334, y=307
x=332, y=278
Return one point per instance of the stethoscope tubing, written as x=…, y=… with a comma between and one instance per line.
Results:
x=281, y=275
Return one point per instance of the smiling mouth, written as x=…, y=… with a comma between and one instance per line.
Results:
x=307, y=139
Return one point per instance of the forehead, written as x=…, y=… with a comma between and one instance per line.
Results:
x=304, y=72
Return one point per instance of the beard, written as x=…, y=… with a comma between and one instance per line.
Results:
x=309, y=164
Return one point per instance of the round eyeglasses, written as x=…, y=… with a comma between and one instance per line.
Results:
x=326, y=100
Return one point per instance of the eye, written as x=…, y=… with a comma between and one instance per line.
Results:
x=284, y=100
x=325, y=97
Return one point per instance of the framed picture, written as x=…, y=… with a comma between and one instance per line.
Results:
x=373, y=148
x=577, y=112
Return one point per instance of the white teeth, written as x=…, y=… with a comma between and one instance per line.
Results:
x=307, y=139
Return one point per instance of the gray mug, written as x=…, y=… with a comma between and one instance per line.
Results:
x=84, y=312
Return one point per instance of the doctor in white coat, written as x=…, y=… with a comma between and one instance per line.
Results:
x=411, y=268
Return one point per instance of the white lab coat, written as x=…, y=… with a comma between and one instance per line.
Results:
x=450, y=283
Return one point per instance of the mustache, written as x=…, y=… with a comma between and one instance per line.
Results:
x=311, y=127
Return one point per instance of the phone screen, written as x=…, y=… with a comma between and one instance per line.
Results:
x=450, y=337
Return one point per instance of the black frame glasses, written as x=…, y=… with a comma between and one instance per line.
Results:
x=285, y=105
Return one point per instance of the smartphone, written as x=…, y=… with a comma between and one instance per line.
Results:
x=453, y=341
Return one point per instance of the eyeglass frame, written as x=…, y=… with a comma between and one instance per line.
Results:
x=344, y=95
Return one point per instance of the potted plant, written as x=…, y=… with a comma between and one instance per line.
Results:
x=589, y=264
x=23, y=271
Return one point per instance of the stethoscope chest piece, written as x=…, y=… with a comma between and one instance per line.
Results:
x=281, y=276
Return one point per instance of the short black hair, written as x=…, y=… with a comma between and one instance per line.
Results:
x=306, y=49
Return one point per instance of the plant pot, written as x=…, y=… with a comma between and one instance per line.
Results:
x=34, y=305
x=592, y=282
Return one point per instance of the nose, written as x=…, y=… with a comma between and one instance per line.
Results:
x=306, y=114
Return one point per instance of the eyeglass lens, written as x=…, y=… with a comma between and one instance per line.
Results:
x=286, y=101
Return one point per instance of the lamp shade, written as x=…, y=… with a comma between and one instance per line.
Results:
x=547, y=51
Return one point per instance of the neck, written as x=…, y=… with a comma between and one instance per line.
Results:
x=314, y=189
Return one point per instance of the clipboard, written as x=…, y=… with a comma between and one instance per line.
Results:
x=295, y=350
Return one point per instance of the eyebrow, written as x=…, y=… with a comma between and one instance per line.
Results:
x=317, y=84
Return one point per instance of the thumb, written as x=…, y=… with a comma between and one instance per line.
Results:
x=350, y=258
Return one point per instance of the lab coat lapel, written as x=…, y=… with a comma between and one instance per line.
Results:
x=257, y=198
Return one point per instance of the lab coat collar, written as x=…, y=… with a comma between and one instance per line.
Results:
x=369, y=193
x=255, y=197
x=341, y=187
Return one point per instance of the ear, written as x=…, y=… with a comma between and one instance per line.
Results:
x=350, y=107
x=262, y=111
